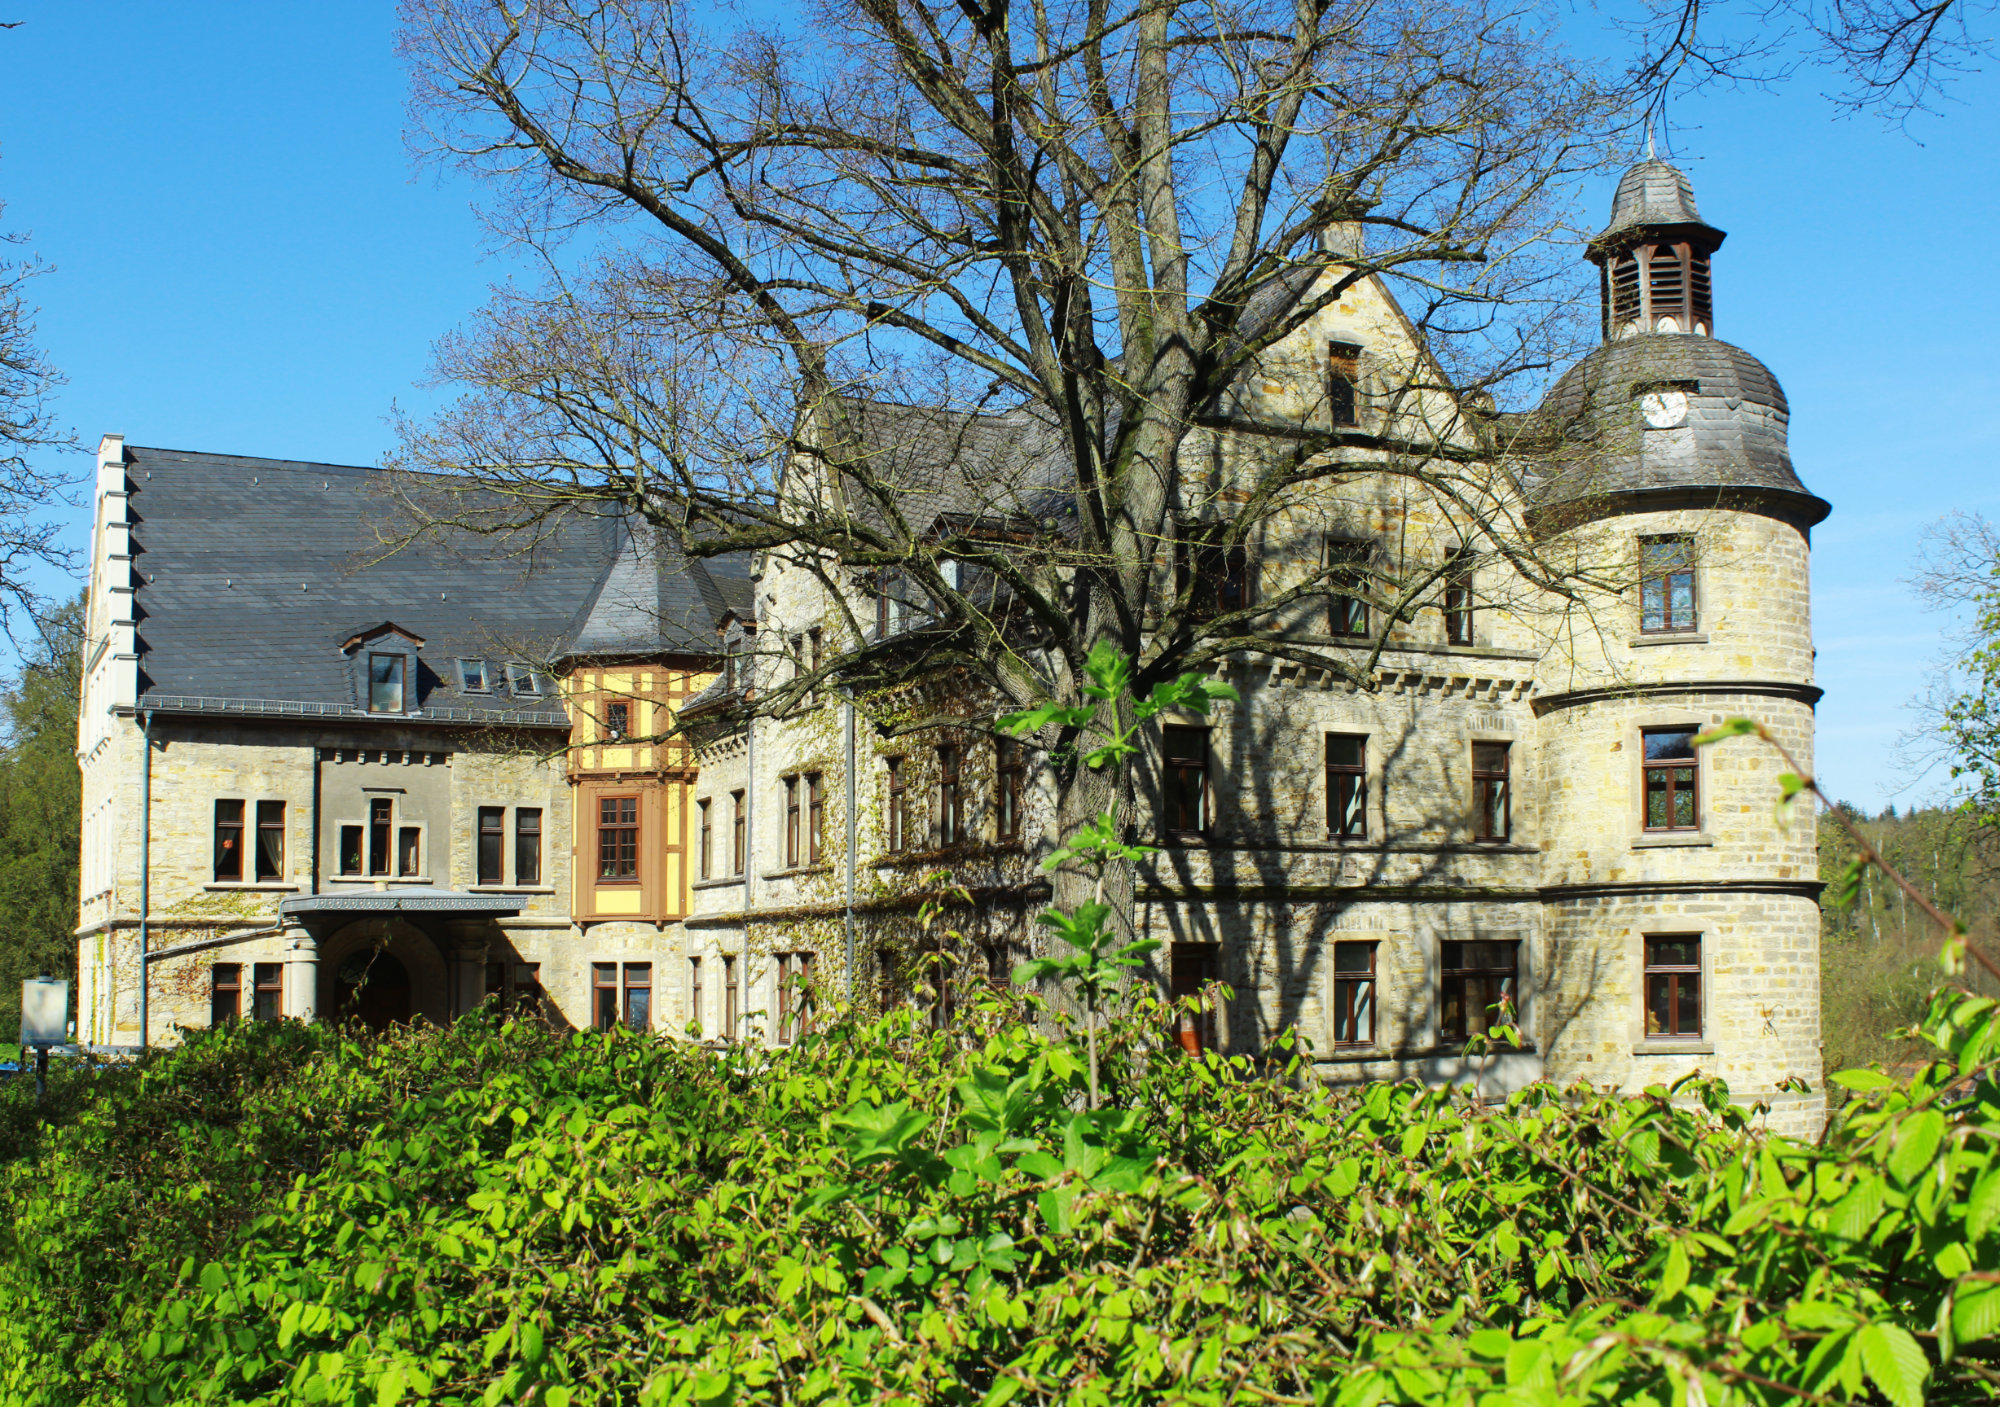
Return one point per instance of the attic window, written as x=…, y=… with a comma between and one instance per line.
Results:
x=1343, y=375
x=525, y=681
x=472, y=676
x=385, y=683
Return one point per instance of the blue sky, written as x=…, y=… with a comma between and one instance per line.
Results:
x=249, y=262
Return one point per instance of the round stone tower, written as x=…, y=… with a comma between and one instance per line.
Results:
x=1681, y=920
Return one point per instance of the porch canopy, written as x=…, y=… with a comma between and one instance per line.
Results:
x=418, y=901
x=423, y=951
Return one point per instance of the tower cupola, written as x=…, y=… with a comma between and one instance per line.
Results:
x=1652, y=258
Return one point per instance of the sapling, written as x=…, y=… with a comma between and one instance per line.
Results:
x=1096, y=960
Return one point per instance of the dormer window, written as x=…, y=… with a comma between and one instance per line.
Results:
x=385, y=683
x=527, y=684
x=1343, y=377
x=472, y=677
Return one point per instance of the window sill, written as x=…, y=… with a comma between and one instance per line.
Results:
x=510, y=889
x=1673, y=1047
x=382, y=879
x=724, y=883
x=970, y=850
x=1671, y=637
x=1669, y=840
x=797, y=872
x=1368, y=1055
x=267, y=886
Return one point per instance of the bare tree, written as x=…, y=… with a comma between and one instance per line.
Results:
x=945, y=304
x=29, y=540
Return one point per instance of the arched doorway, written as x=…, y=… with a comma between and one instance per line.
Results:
x=374, y=989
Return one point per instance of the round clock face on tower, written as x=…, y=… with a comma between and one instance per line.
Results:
x=1664, y=409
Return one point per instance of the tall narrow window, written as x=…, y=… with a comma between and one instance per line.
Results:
x=732, y=672
x=385, y=683
x=1343, y=366
x=1492, y=804
x=695, y=1008
x=890, y=606
x=225, y=993
x=1347, y=585
x=228, y=840
x=815, y=816
x=1184, y=768
x=815, y=649
x=515, y=986
x=893, y=821
x=707, y=838
x=794, y=996
x=604, y=995
x=1479, y=979
x=528, y=845
x=617, y=721
x=618, y=837
x=791, y=821
x=1354, y=994
x=269, y=998
x=1191, y=968
x=638, y=996
x=1008, y=771
x=1666, y=585
x=381, y=824
x=951, y=798
x=492, y=839
x=410, y=852
x=738, y=835
x=270, y=840
x=1673, y=987
x=731, y=1011
x=1458, y=604
x=1346, y=786
x=1672, y=789
x=350, y=849
x=1216, y=576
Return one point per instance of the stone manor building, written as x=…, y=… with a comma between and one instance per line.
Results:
x=321, y=778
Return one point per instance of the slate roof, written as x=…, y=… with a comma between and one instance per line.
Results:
x=1596, y=440
x=654, y=600
x=951, y=463
x=250, y=573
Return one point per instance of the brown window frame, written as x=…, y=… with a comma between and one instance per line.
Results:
x=1343, y=384
x=400, y=672
x=1679, y=776
x=739, y=835
x=225, y=993
x=1191, y=967
x=791, y=785
x=359, y=850
x=951, y=795
x=1486, y=781
x=1347, y=561
x=1669, y=978
x=1355, y=995
x=381, y=835
x=603, y=996
x=270, y=851
x=707, y=855
x=635, y=1007
x=815, y=817
x=228, y=840
x=694, y=995
x=1178, y=770
x=527, y=845
x=490, y=844
x=268, y=991
x=1470, y=981
x=515, y=986
x=732, y=1002
x=1657, y=577
x=1347, y=790
x=1009, y=775
x=617, y=721
x=896, y=810
x=618, y=830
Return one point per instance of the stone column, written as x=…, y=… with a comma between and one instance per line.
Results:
x=465, y=957
x=301, y=972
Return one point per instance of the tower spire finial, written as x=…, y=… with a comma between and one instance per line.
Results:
x=1651, y=155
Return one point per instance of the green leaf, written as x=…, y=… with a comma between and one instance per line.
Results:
x=1916, y=1145
x=1674, y=1276
x=1855, y=1215
x=1976, y=1314
x=1728, y=728
x=1982, y=1208
x=1862, y=1080
x=1895, y=1363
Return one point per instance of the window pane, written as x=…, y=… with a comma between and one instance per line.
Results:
x=1354, y=957
x=350, y=850
x=1658, y=995
x=1673, y=952
x=385, y=683
x=1683, y=798
x=229, y=840
x=1489, y=757
x=269, y=998
x=1669, y=744
x=491, y=838
x=528, y=845
x=1344, y=751
x=409, y=851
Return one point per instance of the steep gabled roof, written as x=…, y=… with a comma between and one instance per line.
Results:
x=655, y=600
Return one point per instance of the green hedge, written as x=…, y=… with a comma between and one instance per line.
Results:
x=886, y=1213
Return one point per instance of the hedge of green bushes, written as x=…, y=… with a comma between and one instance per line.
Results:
x=888, y=1213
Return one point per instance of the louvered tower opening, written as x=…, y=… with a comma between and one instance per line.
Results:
x=1699, y=297
x=1624, y=294
x=1667, y=273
